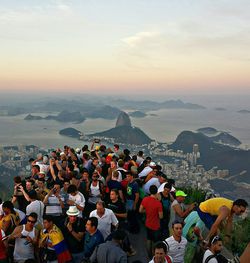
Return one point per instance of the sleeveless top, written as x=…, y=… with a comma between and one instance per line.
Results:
x=23, y=249
x=166, y=204
x=95, y=193
x=213, y=205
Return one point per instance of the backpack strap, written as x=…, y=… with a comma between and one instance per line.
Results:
x=209, y=257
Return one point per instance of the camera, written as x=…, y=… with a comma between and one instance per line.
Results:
x=54, y=190
x=97, y=140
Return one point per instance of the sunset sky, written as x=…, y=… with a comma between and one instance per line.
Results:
x=125, y=45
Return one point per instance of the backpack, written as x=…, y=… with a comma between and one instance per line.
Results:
x=218, y=257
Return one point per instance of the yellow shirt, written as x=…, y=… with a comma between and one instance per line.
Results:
x=213, y=205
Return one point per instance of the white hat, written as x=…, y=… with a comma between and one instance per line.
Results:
x=78, y=150
x=73, y=211
x=152, y=164
x=62, y=153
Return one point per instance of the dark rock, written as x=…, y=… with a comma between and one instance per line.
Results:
x=123, y=120
x=105, y=112
x=137, y=114
x=125, y=134
x=70, y=132
x=207, y=130
x=30, y=117
x=244, y=111
x=226, y=138
x=214, y=154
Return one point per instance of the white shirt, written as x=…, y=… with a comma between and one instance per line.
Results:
x=152, y=181
x=145, y=171
x=53, y=206
x=36, y=207
x=207, y=254
x=79, y=200
x=104, y=222
x=153, y=261
x=177, y=249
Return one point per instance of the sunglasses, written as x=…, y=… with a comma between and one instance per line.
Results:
x=215, y=239
x=31, y=221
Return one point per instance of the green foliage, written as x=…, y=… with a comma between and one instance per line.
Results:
x=194, y=195
x=240, y=235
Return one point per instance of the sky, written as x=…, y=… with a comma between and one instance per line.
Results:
x=125, y=46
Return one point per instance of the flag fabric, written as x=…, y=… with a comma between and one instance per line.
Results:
x=58, y=243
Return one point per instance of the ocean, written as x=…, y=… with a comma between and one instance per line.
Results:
x=163, y=127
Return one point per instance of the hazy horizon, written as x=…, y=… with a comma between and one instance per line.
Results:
x=134, y=47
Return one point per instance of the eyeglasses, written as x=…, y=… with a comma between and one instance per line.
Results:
x=31, y=221
x=215, y=239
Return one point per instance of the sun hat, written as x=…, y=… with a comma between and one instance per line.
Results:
x=77, y=150
x=180, y=193
x=73, y=211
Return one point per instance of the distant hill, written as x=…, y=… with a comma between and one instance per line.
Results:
x=214, y=154
x=244, y=111
x=123, y=120
x=137, y=114
x=220, y=109
x=70, y=132
x=124, y=132
x=207, y=130
x=149, y=105
x=226, y=138
x=31, y=117
x=220, y=137
x=64, y=116
x=105, y=112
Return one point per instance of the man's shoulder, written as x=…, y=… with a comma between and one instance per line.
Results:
x=207, y=254
x=93, y=213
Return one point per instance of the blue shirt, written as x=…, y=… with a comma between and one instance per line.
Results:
x=91, y=241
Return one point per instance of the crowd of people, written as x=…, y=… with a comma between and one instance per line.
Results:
x=79, y=205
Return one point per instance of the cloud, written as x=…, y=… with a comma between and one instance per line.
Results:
x=28, y=14
x=140, y=39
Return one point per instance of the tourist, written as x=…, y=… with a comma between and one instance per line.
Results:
x=92, y=238
x=177, y=243
x=160, y=253
x=96, y=191
x=76, y=199
x=153, y=209
x=179, y=208
x=74, y=227
x=35, y=206
x=54, y=204
x=10, y=219
x=106, y=219
x=132, y=199
x=215, y=210
x=52, y=244
x=111, y=251
x=26, y=237
x=215, y=246
x=166, y=199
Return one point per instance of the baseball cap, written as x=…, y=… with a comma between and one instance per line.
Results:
x=180, y=193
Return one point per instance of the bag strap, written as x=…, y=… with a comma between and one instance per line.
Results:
x=209, y=257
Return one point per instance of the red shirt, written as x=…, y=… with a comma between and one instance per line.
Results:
x=152, y=207
x=2, y=247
